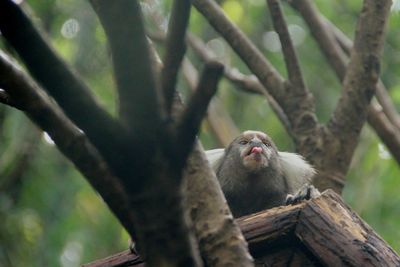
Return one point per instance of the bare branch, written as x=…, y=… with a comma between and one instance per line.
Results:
x=247, y=83
x=71, y=141
x=289, y=53
x=361, y=75
x=381, y=92
x=192, y=116
x=298, y=107
x=252, y=57
x=175, y=47
x=123, y=24
x=385, y=130
x=387, y=104
x=212, y=221
x=324, y=37
x=221, y=124
x=205, y=204
x=55, y=76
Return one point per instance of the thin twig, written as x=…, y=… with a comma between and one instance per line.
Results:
x=289, y=53
x=175, y=47
x=385, y=130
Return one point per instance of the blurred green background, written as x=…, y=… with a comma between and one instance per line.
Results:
x=50, y=216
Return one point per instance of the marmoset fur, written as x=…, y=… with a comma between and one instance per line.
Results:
x=254, y=175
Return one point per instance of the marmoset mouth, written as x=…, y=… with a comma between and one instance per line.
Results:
x=254, y=150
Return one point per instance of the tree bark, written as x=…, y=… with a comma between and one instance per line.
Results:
x=320, y=232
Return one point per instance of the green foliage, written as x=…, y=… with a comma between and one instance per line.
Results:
x=52, y=217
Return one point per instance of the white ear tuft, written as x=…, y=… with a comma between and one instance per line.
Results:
x=214, y=157
x=297, y=171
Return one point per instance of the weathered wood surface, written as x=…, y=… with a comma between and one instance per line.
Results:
x=320, y=232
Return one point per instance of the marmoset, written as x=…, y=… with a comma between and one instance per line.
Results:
x=254, y=175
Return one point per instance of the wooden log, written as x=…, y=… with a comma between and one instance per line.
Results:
x=322, y=231
x=339, y=237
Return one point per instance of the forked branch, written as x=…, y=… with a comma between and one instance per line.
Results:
x=138, y=100
x=71, y=141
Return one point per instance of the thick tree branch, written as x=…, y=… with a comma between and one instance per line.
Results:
x=298, y=107
x=361, y=76
x=55, y=76
x=381, y=92
x=71, y=141
x=219, y=237
x=123, y=24
x=289, y=53
x=192, y=116
x=328, y=37
x=325, y=33
x=175, y=48
x=206, y=206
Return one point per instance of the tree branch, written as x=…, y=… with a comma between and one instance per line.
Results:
x=298, y=107
x=329, y=37
x=205, y=205
x=55, y=76
x=221, y=124
x=324, y=37
x=175, y=48
x=381, y=92
x=123, y=25
x=361, y=75
x=289, y=53
x=252, y=57
x=247, y=83
x=192, y=116
x=71, y=141
x=385, y=130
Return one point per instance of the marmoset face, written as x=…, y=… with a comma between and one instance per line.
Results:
x=256, y=150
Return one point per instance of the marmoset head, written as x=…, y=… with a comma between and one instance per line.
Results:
x=254, y=150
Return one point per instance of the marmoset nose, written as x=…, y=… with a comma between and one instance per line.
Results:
x=255, y=142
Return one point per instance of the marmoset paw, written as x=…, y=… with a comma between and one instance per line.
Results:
x=306, y=192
